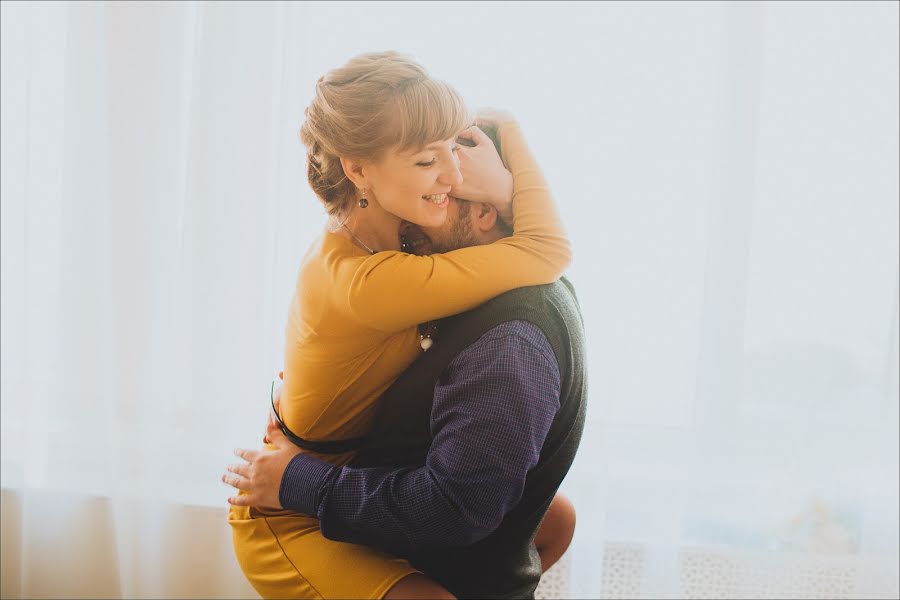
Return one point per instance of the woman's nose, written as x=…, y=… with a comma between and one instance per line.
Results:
x=451, y=176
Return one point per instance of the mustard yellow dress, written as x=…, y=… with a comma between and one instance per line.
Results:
x=352, y=329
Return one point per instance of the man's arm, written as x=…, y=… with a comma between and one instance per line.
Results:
x=489, y=421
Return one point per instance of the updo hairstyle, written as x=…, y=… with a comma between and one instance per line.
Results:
x=376, y=102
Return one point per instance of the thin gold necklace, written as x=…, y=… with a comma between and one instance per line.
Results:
x=428, y=330
x=358, y=241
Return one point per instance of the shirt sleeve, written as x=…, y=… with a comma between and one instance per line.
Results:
x=489, y=420
x=392, y=290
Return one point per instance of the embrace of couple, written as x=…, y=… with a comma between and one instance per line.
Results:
x=434, y=378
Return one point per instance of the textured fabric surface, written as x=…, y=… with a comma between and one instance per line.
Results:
x=490, y=416
x=505, y=563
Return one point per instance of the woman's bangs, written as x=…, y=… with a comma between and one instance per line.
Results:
x=429, y=111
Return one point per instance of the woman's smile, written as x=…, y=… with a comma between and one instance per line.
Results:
x=438, y=199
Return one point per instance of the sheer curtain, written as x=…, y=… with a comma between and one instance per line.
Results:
x=728, y=174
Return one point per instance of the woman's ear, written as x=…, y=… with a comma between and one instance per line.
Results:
x=354, y=170
x=486, y=217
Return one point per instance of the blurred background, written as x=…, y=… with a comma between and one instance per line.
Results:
x=728, y=173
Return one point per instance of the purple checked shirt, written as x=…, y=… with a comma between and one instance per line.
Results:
x=490, y=416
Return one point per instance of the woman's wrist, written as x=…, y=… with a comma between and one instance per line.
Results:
x=502, y=199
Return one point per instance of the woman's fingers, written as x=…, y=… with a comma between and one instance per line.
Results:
x=476, y=135
x=467, y=133
x=480, y=137
x=493, y=116
x=485, y=178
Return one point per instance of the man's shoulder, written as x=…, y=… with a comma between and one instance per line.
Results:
x=533, y=297
x=545, y=315
x=547, y=305
x=507, y=334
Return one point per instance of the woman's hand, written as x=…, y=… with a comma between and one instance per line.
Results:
x=485, y=179
x=493, y=116
x=260, y=478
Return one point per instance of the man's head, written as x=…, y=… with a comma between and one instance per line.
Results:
x=467, y=223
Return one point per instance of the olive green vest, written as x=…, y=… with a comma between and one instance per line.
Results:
x=505, y=564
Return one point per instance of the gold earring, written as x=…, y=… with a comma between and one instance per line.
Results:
x=362, y=201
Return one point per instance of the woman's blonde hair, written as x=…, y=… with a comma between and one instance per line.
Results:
x=376, y=102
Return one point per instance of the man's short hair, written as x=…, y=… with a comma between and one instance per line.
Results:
x=491, y=132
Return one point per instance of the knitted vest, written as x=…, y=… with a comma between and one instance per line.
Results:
x=505, y=564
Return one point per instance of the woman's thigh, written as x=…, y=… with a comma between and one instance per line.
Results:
x=418, y=587
x=288, y=557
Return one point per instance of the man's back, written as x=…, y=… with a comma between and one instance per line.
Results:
x=505, y=562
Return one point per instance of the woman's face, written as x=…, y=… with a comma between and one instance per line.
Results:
x=413, y=185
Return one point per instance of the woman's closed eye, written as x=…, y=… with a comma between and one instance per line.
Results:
x=431, y=162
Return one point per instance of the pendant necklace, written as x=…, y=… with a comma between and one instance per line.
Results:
x=427, y=330
x=356, y=239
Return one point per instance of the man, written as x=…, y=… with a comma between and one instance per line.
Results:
x=471, y=442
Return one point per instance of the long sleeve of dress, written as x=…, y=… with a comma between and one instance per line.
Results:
x=391, y=291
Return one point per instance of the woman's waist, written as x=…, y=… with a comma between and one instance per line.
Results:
x=339, y=419
x=239, y=516
x=334, y=404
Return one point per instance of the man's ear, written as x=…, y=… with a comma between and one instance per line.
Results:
x=486, y=217
x=355, y=172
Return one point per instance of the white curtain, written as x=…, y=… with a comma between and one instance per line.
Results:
x=729, y=177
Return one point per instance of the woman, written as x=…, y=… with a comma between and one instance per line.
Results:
x=381, y=148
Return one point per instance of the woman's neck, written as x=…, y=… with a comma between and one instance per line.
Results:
x=372, y=226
